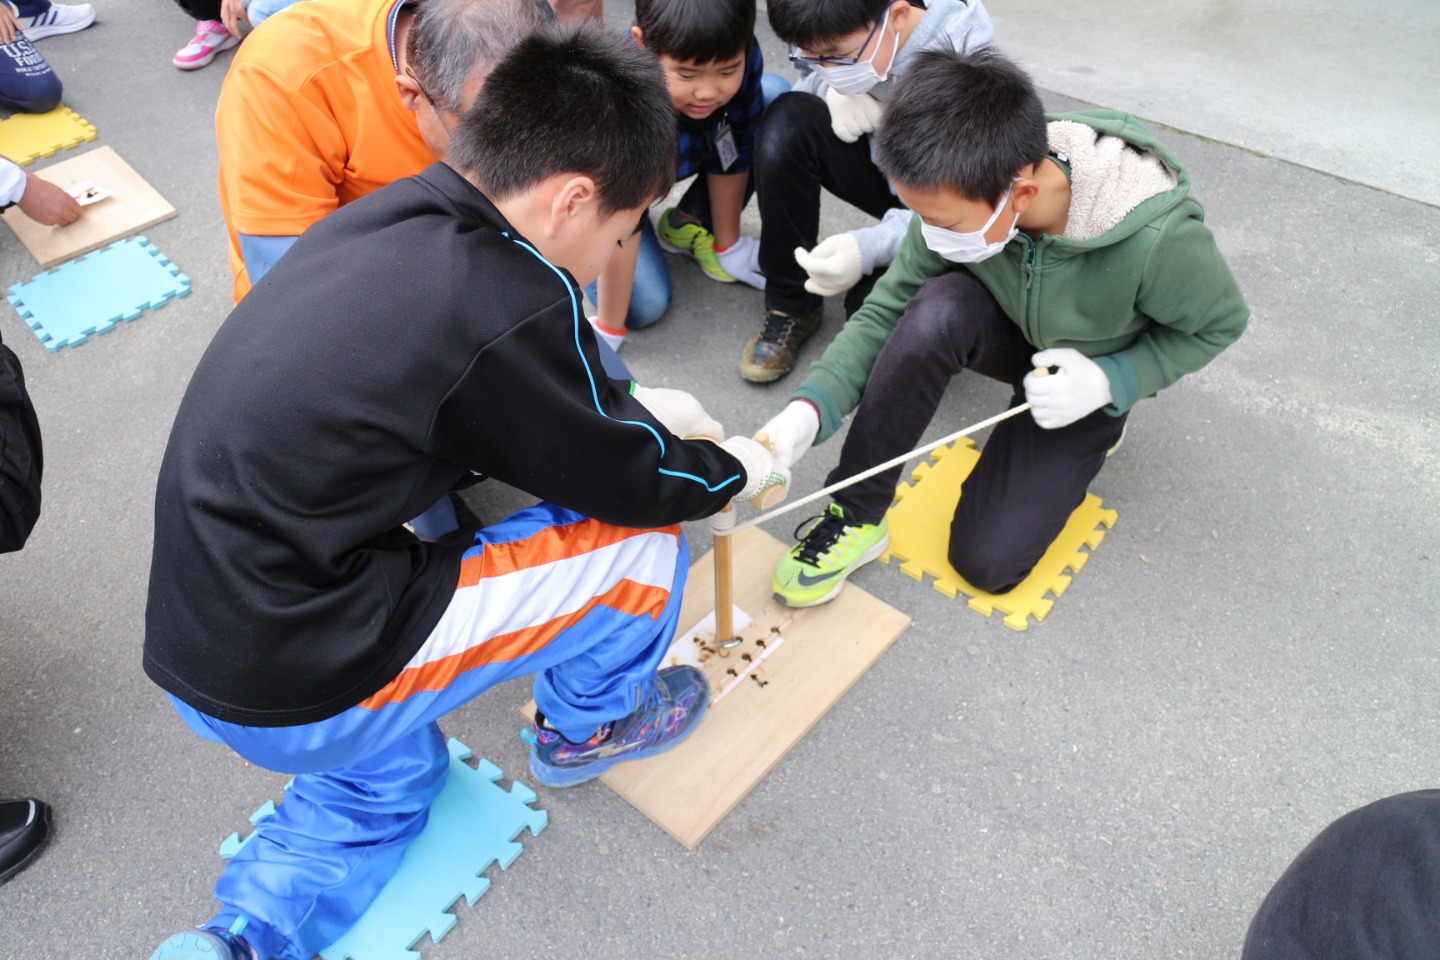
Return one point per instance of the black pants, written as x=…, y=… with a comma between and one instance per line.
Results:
x=1367, y=888
x=201, y=9
x=1028, y=481
x=796, y=154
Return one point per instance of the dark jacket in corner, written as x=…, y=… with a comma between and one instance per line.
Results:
x=21, y=456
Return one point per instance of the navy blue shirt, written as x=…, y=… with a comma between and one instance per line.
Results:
x=697, y=151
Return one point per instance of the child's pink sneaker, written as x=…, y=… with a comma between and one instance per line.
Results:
x=210, y=38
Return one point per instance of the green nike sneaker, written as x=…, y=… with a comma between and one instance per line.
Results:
x=687, y=236
x=815, y=569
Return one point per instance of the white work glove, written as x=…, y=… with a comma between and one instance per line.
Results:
x=851, y=117
x=681, y=413
x=834, y=265
x=791, y=431
x=742, y=261
x=1077, y=390
x=762, y=471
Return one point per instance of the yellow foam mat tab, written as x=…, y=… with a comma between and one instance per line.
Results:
x=26, y=137
x=920, y=539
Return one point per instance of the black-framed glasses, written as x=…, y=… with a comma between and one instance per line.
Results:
x=797, y=57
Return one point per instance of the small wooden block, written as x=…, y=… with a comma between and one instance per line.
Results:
x=133, y=206
x=690, y=789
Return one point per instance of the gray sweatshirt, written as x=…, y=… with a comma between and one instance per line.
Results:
x=947, y=25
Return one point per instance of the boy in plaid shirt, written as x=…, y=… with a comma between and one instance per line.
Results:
x=718, y=87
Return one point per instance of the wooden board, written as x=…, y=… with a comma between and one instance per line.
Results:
x=133, y=206
x=825, y=650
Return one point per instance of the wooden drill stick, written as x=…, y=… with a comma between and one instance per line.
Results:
x=724, y=615
x=725, y=637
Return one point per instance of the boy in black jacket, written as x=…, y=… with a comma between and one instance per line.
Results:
x=411, y=339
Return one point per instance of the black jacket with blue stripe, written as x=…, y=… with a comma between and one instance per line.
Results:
x=406, y=342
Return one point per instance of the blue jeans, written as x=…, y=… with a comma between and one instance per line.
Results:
x=27, y=83
x=650, y=296
x=651, y=293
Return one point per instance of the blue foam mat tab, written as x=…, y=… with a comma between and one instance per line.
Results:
x=473, y=823
x=90, y=295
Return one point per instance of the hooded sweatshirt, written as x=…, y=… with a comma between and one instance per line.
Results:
x=947, y=25
x=1136, y=283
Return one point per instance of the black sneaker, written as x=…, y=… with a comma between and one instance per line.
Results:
x=24, y=828
x=771, y=353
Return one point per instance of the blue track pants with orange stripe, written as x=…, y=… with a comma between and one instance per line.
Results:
x=588, y=608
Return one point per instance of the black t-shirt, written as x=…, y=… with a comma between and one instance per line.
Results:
x=405, y=341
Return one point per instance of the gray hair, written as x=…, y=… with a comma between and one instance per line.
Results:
x=451, y=40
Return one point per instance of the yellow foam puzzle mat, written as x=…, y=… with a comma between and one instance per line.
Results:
x=920, y=539
x=26, y=137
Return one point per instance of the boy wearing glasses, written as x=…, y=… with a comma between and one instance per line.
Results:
x=431, y=329
x=1070, y=243
x=849, y=54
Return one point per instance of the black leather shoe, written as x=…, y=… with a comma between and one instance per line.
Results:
x=24, y=828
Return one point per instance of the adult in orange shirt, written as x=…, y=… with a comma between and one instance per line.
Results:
x=337, y=98
x=334, y=101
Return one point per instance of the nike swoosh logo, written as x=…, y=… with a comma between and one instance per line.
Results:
x=806, y=581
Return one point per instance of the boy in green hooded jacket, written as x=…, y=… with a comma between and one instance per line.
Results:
x=1069, y=243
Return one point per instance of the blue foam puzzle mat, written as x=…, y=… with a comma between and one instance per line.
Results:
x=66, y=305
x=472, y=824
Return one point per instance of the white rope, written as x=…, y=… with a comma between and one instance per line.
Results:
x=881, y=468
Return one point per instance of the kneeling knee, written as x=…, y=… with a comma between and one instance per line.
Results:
x=784, y=123
x=42, y=97
x=988, y=570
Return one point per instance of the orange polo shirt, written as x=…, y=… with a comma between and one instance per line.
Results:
x=309, y=119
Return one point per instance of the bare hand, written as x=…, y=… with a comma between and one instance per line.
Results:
x=46, y=203
x=231, y=13
x=9, y=26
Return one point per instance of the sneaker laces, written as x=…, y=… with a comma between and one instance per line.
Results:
x=777, y=328
x=816, y=542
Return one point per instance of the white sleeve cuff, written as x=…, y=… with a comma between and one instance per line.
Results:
x=12, y=182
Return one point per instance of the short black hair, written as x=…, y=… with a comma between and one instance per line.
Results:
x=696, y=31
x=808, y=24
x=579, y=99
x=964, y=121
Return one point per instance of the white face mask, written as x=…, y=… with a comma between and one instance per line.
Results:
x=853, y=79
x=970, y=247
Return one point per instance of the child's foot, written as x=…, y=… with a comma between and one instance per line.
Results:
x=206, y=945
x=680, y=698
x=679, y=235
x=210, y=38
x=615, y=338
x=60, y=18
x=771, y=353
x=24, y=828
x=815, y=569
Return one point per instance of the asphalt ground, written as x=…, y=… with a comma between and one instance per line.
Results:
x=1249, y=654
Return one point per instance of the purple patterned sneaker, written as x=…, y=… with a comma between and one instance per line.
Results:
x=207, y=945
x=680, y=698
